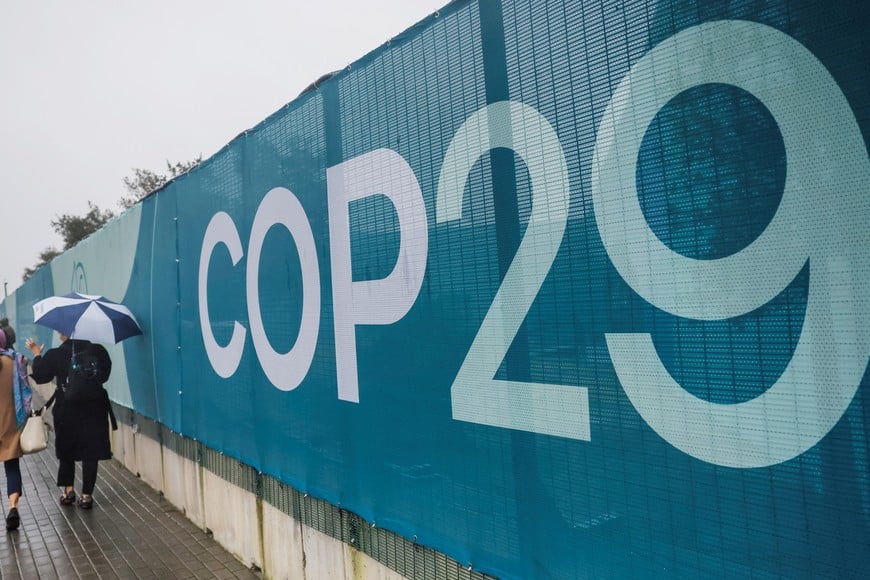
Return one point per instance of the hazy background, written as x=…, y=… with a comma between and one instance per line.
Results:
x=91, y=89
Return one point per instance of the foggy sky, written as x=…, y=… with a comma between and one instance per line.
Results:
x=91, y=89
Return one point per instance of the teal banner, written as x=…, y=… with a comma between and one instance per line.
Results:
x=559, y=289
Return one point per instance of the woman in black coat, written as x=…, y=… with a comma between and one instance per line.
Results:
x=81, y=426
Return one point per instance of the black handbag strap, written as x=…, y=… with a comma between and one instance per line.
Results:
x=112, y=415
x=50, y=401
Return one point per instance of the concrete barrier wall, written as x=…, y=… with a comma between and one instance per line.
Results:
x=257, y=533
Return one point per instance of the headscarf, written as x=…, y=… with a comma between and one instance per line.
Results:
x=20, y=386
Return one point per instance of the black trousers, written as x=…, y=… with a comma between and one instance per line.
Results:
x=66, y=475
x=13, y=476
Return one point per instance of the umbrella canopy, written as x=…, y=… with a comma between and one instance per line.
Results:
x=94, y=318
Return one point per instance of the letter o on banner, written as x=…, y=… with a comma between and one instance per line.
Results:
x=285, y=371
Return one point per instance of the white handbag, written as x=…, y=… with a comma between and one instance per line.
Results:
x=34, y=437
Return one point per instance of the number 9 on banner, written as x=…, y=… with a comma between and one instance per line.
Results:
x=820, y=220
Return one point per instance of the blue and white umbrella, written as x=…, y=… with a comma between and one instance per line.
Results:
x=94, y=318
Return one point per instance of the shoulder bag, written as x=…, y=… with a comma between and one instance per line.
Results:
x=34, y=436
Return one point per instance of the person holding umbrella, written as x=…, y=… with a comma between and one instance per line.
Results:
x=80, y=368
x=81, y=425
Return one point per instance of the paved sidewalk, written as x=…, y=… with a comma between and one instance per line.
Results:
x=132, y=532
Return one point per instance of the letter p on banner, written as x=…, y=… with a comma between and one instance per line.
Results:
x=387, y=300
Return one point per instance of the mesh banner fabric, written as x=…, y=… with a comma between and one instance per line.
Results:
x=559, y=289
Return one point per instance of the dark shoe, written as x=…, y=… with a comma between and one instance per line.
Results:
x=86, y=502
x=13, y=520
x=68, y=498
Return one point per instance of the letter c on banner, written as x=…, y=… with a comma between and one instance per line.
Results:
x=224, y=359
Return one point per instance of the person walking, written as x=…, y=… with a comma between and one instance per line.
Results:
x=81, y=422
x=15, y=398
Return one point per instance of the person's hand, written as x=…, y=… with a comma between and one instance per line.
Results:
x=31, y=345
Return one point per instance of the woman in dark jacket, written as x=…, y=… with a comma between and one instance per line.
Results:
x=81, y=426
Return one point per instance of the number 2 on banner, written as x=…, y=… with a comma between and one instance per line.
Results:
x=478, y=397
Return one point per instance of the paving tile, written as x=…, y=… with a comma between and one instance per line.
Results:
x=132, y=532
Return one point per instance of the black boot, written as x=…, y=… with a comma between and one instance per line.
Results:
x=13, y=520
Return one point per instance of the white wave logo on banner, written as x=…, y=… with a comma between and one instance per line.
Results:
x=90, y=269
